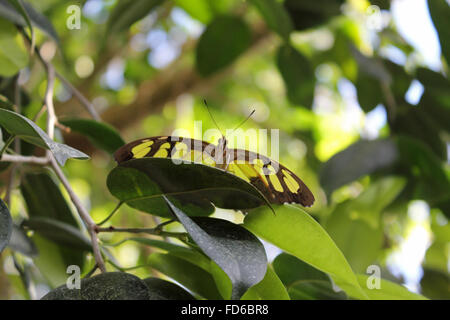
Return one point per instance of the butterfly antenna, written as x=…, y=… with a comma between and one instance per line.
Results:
x=248, y=117
x=210, y=114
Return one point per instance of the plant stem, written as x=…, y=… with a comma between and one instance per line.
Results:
x=7, y=143
x=25, y=159
x=90, y=224
x=111, y=214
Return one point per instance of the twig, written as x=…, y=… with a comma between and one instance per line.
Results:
x=25, y=159
x=90, y=224
x=7, y=143
x=153, y=231
x=111, y=214
x=81, y=98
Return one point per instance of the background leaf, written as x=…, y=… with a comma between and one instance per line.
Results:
x=297, y=74
x=13, y=55
x=224, y=39
x=101, y=134
x=276, y=16
x=361, y=158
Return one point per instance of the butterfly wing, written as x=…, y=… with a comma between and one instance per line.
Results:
x=167, y=147
x=275, y=181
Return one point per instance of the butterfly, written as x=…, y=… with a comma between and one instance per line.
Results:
x=276, y=182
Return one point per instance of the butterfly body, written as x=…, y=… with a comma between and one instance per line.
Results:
x=277, y=183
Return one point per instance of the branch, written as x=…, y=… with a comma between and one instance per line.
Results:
x=25, y=159
x=157, y=231
x=90, y=224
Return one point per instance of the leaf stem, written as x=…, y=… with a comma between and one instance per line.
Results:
x=111, y=214
x=7, y=143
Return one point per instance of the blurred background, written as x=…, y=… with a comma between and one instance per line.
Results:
x=358, y=89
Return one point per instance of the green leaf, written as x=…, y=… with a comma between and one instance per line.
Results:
x=269, y=288
x=127, y=12
x=200, y=9
x=13, y=55
x=59, y=232
x=43, y=198
x=290, y=270
x=355, y=224
x=303, y=281
x=189, y=275
x=361, y=158
x=28, y=131
x=225, y=39
x=53, y=259
x=8, y=12
x=20, y=242
x=388, y=290
x=308, y=14
x=429, y=175
x=276, y=16
x=141, y=183
x=18, y=5
x=417, y=123
x=314, y=290
x=105, y=286
x=297, y=233
x=297, y=74
x=5, y=225
x=185, y=253
x=435, y=284
x=165, y=290
x=440, y=14
x=235, y=250
x=101, y=134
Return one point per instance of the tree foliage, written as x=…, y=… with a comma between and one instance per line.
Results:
x=316, y=70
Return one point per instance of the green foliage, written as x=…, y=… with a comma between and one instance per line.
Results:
x=308, y=68
x=223, y=41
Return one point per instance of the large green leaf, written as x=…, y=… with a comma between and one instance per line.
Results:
x=189, y=275
x=165, y=290
x=435, y=284
x=127, y=12
x=355, y=224
x=13, y=55
x=201, y=9
x=225, y=39
x=235, y=250
x=387, y=291
x=5, y=225
x=27, y=130
x=8, y=12
x=440, y=14
x=101, y=134
x=298, y=75
x=269, y=288
x=297, y=233
x=105, y=286
x=276, y=16
x=359, y=159
x=141, y=183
